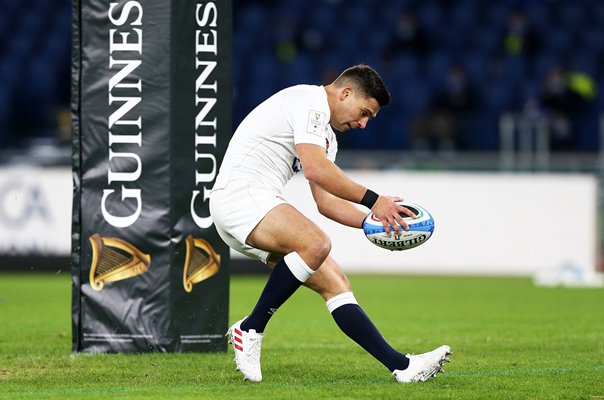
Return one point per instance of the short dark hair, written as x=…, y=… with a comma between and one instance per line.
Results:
x=367, y=81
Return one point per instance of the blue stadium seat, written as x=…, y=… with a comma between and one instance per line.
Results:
x=265, y=79
x=291, y=9
x=430, y=15
x=12, y=8
x=559, y=41
x=572, y=15
x=498, y=97
x=376, y=41
x=513, y=69
x=374, y=60
x=436, y=67
x=404, y=66
x=531, y=89
x=487, y=40
x=588, y=124
x=458, y=42
x=592, y=38
x=32, y=24
x=332, y=63
x=584, y=61
x=5, y=29
x=358, y=15
x=40, y=95
x=301, y=70
x=538, y=14
x=350, y=42
x=5, y=115
x=596, y=12
x=20, y=46
x=463, y=16
x=62, y=19
x=10, y=72
x=324, y=17
x=543, y=63
x=413, y=96
x=370, y=138
x=252, y=18
x=476, y=65
x=587, y=131
x=497, y=15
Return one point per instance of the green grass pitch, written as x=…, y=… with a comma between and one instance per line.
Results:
x=510, y=340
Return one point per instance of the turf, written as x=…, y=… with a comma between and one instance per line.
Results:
x=510, y=339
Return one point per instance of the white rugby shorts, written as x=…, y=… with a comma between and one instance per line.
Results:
x=237, y=209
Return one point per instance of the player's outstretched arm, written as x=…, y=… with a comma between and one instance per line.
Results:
x=318, y=169
x=337, y=209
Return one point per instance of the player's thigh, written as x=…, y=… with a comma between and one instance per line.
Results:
x=284, y=230
x=237, y=209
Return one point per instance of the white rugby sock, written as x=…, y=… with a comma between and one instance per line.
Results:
x=340, y=300
x=298, y=267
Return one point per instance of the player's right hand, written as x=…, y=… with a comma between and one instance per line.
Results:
x=387, y=211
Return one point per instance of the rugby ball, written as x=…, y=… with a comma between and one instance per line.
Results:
x=420, y=229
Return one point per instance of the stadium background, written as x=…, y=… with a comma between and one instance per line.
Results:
x=282, y=43
x=277, y=44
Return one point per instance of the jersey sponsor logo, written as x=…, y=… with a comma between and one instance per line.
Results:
x=316, y=121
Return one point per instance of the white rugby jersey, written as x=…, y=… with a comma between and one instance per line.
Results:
x=263, y=151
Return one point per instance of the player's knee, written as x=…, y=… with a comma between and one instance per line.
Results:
x=324, y=248
x=319, y=251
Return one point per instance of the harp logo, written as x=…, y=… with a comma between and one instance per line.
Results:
x=114, y=259
x=201, y=262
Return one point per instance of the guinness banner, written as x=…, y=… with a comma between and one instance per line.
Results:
x=151, y=108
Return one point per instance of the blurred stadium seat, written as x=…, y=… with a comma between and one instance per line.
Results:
x=321, y=37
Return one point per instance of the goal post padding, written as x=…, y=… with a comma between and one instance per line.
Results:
x=151, y=109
